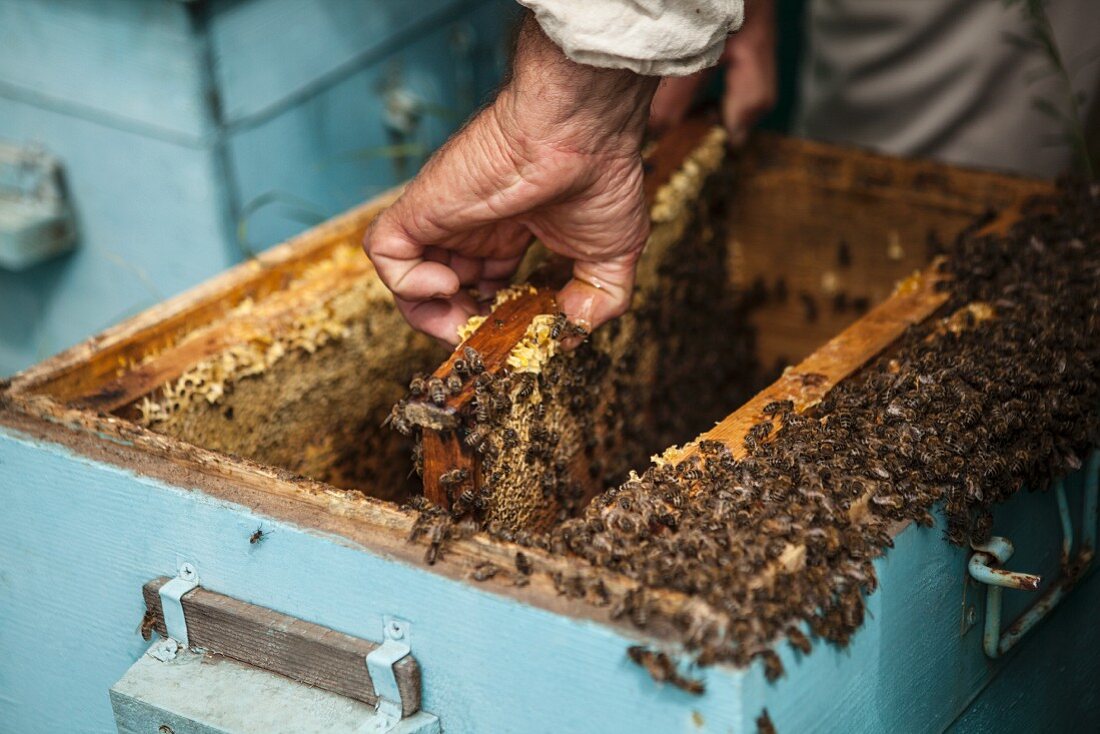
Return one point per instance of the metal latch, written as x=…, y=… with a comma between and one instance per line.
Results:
x=396, y=645
x=986, y=566
x=171, y=602
x=36, y=220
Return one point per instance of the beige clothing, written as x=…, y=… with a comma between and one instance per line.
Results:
x=651, y=37
x=937, y=78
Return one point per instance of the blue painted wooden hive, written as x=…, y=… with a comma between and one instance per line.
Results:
x=190, y=134
x=218, y=465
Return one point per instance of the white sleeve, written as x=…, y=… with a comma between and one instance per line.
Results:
x=651, y=37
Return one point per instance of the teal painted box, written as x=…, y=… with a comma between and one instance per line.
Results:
x=194, y=133
x=95, y=506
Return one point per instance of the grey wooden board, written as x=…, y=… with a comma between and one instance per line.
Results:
x=300, y=650
x=204, y=694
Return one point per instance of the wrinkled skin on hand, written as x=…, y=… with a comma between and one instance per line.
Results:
x=556, y=156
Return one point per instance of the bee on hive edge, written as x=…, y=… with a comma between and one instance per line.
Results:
x=437, y=392
x=473, y=360
x=148, y=624
x=259, y=535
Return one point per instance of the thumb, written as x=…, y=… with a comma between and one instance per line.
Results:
x=599, y=290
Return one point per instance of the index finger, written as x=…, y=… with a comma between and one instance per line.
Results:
x=400, y=263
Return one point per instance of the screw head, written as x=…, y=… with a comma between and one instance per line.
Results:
x=971, y=615
x=188, y=572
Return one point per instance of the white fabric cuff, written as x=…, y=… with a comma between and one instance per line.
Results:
x=651, y=37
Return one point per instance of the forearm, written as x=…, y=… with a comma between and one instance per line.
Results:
x=573, y=107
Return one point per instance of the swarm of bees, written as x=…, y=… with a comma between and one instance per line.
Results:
x=958, y=416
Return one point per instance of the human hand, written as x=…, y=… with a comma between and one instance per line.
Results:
x=750, y=79
x=556, y=156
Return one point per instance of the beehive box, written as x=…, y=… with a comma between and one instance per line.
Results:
x=238, y=428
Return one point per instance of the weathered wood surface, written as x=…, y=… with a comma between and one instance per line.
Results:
x=299, y=650
x=827, y=231
x=84, y=370
x=805, y=385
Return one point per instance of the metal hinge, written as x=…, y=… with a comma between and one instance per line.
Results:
x=396, y=645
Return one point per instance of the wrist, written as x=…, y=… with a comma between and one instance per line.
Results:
x=553, y=101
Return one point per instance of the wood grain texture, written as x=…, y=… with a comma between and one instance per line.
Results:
x=299, y=650
x=83, y=370
x=494, y=341
x=827, y=231
x=806, y=384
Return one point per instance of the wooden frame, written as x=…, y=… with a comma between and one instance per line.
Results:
x=64, y=399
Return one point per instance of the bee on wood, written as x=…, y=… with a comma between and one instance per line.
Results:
x=450, y=479
x=843, y=255
x=523, y=563
x=799, y=641
x=662, y=669
x=461, y=368
x=436, y=535
x=484, y=571
x=764, y=723
x=148, y=624
x=473, y=360
x=773, y=666
x=778, y=407
x=437, y=391
x=259, y=535
x=417, y=386
x=809, y=307
x=454, y=384
x=396, y=419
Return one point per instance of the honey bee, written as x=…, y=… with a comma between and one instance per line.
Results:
x=454, y=384
x=523, y=563
x=662, y=669
x=473, y=360
x=773, y=666
x=560, y=322
x=148, y=624
x=484, y=571
x=476, y=436
x=437, y=392
x=453, y=478
x=417, y=386
x=778, y=407
x=764, y=723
